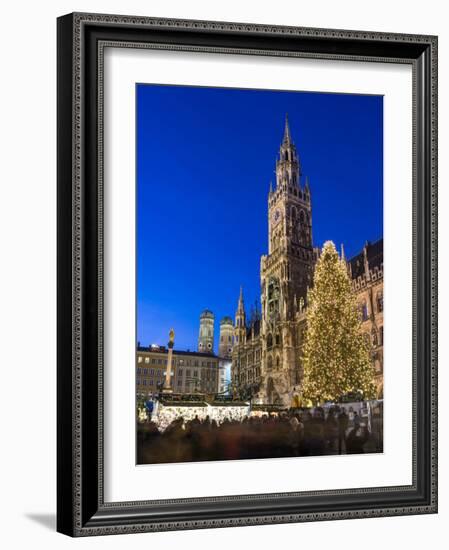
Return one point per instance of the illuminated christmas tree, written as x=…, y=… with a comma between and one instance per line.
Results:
x=336, y=355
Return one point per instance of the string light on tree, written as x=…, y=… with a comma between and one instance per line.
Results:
x=336, y=355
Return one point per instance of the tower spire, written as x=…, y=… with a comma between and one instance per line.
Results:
x=240, y=320
x=288, y=170
x=287, y=137
x=307, y=189
x=240, y=306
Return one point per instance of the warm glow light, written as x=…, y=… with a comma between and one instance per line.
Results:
x=335, y=355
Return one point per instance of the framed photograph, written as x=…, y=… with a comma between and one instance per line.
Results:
x=247, y=278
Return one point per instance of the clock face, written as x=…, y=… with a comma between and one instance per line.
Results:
x=276, y=216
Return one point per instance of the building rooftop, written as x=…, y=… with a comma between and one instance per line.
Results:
x=375, y=257
x=253, y=325
x=227, y=321
x=207, y=313
x=163, y=349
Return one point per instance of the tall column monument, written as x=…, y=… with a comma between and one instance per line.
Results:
x=168, y=374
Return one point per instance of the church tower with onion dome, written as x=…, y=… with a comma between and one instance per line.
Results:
x=206, y=334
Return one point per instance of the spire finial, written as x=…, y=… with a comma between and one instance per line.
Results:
x=343, y=253
x=271, y=186
x=241, y=295
x=240, y=305
x=287, y=138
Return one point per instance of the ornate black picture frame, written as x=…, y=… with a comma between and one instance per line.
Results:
x=81, y=510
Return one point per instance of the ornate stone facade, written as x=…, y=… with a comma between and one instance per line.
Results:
x=366, y=271
x=266, y=356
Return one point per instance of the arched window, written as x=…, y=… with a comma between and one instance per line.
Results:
x=381, y=335
x=364, y=310
x=270, y=362
x=302, y=216
x=278, y=339
x=278, y=362
x=269, y=341
x=380, y=301
x=293, y=213
x=374, y=337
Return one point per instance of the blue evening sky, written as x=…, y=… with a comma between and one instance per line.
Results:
x=205, y=158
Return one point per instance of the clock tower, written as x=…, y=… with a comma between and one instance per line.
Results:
x=286, y=272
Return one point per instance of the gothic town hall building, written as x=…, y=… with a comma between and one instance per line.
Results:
x=266, y=352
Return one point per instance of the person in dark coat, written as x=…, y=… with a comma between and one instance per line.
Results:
x=343, y=421
x=356, y=439
x=331, y=432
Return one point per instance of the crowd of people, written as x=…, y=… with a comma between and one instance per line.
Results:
x=167, y=414
x=287, y=434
